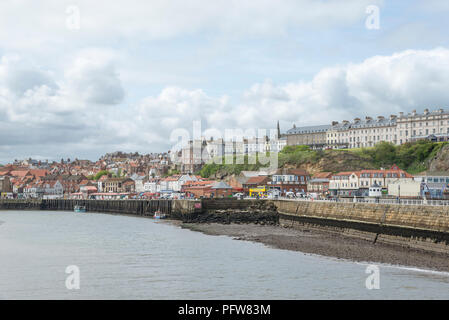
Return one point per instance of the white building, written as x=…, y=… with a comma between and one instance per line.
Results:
x=407, y=189
x=362, y=133
x=358, y=183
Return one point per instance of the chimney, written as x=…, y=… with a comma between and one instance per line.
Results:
x=401, y=114
x=334, y=123
x=380, y=118
x=368, y=118
x=356, y=119
x=414, y=112
x=426, y=111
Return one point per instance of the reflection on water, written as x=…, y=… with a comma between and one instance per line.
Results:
x=123, y=257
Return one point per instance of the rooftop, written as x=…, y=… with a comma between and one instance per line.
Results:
x=308, y=129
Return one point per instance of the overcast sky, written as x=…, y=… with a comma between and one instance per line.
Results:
x=133, y=71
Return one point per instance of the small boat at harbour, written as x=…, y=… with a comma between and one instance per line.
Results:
x=78, y=208
x=159, y=215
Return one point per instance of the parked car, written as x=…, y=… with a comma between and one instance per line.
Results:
x=290, y=194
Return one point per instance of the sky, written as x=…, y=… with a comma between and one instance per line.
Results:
x=82, y=78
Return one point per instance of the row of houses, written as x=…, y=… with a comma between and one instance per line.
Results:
x=391, y=182
x=367, y=132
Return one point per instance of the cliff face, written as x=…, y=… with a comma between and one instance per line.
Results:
x=441, y=161
x=337, y=161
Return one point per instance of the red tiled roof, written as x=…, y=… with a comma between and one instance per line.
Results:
x=256, y=180
x=20, y=173
x=322, y=175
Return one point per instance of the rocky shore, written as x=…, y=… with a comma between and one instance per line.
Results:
x=262, y=213
x=326, y=244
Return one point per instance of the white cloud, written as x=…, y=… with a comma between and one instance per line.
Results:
x=380, y=85
x=31, y=24
x=94, y=78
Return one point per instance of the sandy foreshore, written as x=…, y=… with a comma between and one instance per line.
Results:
x=325, y=244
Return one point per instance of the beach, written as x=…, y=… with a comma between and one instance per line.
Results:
x=312, y=241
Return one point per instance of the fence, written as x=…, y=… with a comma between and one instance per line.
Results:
x=411, y=202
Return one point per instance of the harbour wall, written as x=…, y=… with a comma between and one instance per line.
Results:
x=127, y=207
x=419, y=227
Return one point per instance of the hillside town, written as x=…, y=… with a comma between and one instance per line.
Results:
x=174, y=175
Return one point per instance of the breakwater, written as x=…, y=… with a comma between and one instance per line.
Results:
x=420, y=227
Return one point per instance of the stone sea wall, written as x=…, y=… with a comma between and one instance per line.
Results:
x=420, y=227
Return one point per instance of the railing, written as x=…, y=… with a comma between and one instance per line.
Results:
x=411, y=202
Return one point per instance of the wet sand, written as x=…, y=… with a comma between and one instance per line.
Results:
x=325, y=244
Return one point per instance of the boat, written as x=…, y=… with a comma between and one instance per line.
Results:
x=159, y=215
x=78, y=208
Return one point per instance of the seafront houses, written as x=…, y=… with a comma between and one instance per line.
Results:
x=118, y=185
x=197, y=189
x=33, y=190
x=174, y=183
x=254, y=182
x=207, y=189
x=319, y=183
x=87, y=190
x=101, y=183
x=357, y=183
x=289, y=180
x=139, y=181
x=53, y=189
x=152, y=185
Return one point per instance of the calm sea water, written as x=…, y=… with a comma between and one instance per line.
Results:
x=123, y=257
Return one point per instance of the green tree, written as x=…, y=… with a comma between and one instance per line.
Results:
x=100, y=174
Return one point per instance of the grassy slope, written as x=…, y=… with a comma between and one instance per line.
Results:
x=412, y=157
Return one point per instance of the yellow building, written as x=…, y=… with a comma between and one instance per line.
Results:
x=261, y=191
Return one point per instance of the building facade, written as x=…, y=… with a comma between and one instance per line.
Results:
x=358, y=183
x=313, y=136
x=427, y=125
x=360, y=133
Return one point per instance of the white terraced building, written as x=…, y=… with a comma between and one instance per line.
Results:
x=415, y=126
x=362, y=133
x=395, y=129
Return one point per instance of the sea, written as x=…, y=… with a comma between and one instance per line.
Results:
x=68, y=255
